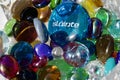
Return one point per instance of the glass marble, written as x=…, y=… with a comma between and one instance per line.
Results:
x=8, y=26
x=104, y=47
x=49, y=72
x=8, y=66
x=23, y=53
x=28, y=14
x=24, y=31
x=118, y=57
x=70, y=18
x=40, y=3
x=44, y=13
x=41, y=30
x=76, y=54
x=95, y=28
x=18, y=6
x=54, y=3
x=42, y=49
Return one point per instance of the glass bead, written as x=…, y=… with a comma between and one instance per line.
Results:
x=43, y=50
x=8, y=26
x=118, y=57
x=70, y=18
x=21, y=28
x=23, y=53
x=76, y=54
x=95, y=28
x=44, y=13
x=8, y=66
x=18, y=6
x=54, y=3
x=40, y=3
x=49, y=72
x=28, y=14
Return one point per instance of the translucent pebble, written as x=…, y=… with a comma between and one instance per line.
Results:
x=54, y=3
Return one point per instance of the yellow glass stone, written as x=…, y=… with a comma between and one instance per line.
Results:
x=91, y=6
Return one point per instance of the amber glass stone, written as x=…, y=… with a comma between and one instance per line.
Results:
x=44, y=13
x=49, y=72
x=24, y=31
x=18, y=6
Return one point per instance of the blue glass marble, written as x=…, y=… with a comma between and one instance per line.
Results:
x=118, y=57
x=71, y=18
x=43, y=50
x=23, y=53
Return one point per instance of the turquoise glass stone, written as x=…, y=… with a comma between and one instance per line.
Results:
x=70, y=18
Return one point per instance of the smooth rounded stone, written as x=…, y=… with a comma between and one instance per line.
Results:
x=8, y=66
x=91, y=6
x=44, y=13
x=104, y=47
x=18, y=6
x=8, y=26
x=41, y=30
x=70, y=18
x=54, y=3
x=118, y=57
x=42, y=49
x=40, y=3
x=95, y=70
x=24, y=31
x=57, y=52
x=23, y=53
x=109, y=65
x=76, y=54
x=49, y=72
x=28, y=14
x=95, y=28
x=4, y=43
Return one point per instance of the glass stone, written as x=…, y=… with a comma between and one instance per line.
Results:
x=95, y=70
x=24, y=31
x=54, y=3
x=44, y=13
x=70, y=18
x=8, y=66
x=23, y=53
x=40, y=3
x=118, y=57
x=8, y=26
x=28, y=14
x=95, y=28
x=43, y=50
x=76, y=54
x=49, y=72
x=18, y=6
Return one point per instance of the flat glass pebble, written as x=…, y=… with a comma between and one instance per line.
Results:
x=18, y=6
x=118, y=57
x=70, y=18
x=49, y=72
x=23, y=53
x=8, y=66
x=28, y=14
x=24, y=31
x=95, y=28
x=40, y=3
x=8, y=26
x=54, y=3
x=44, y=13
x=76, y=54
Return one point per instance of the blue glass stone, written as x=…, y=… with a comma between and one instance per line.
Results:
x=71, y=18
x=118, y=57
x=43, y=50
x=23, y=53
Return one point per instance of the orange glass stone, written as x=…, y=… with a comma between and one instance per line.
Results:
x=24, y=31
x=49, y=72
x=44, y=13
x=18, y=6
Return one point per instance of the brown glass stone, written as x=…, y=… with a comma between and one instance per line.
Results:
x=49, y=72
x=44, y=13
x=18, y=6
x=24, y=31
x=104, y=47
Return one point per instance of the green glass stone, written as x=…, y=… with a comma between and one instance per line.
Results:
x=54, y=3
x=64, y=68
x=8, y=26
x=93, y=57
